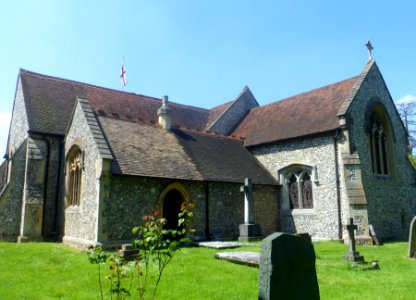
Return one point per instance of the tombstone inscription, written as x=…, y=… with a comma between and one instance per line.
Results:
x=287, y=268
x=412, y=239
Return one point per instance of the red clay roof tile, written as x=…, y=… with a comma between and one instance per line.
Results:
x=50, y=102
x=301, y=115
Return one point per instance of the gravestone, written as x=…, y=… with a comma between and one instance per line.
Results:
x=352, y=254
x=240, y=257
x=249, y=230
x=373, y=235
x=127, y=252
x=219, y=244
x=287, y=268
x=412, y=239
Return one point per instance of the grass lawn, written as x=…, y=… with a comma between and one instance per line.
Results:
x=53, y=271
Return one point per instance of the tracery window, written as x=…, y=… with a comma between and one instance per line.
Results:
x=74, y=175
x=379, y=143
x=300, y=189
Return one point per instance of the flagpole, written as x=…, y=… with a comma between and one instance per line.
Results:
x=123, y=76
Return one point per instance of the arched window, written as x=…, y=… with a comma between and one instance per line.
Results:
x=297, y=181
x=74, y=175
x=380, y=140
x=300, y=189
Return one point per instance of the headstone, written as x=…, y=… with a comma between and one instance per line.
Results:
x=240, y=257
x=352, y=254
x=373, y=234
x=249, y=230
x=128, y=252
x=287, y=268
x=247, y=189
x=219, y=244
x=412, y=239
x=305, y=235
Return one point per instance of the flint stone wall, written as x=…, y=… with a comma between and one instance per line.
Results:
x=19, y=123
x=322, y=221
x=391, y=201
x=81, y=221
x=130, y=198
x=11, y=197
x=230, y=119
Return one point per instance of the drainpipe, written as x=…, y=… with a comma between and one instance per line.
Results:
x=45, y=180
x=57, y=190
x=338, y=185
x=46, y=137
x=207, y=234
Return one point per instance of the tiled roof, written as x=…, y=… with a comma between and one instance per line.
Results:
x=148, y=150
x=301, y=115
x=50, y=102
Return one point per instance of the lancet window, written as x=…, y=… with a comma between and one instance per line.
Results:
x=74, y=176
x=379, y=140
x=300, y=189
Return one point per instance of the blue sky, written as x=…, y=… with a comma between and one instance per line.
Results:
x=203, y=53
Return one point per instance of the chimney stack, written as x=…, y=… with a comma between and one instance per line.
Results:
x=165, y=114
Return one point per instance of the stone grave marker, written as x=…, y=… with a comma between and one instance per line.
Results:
x=220, y=244
x=249, y=230
x=128, y=252
x=373, y=234
x=412, y=239
x=240, y=257
x=287, y=268
x=352, y=254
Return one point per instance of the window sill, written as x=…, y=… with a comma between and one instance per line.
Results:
x=299, y=212
x=73, y=209
x=382, y=176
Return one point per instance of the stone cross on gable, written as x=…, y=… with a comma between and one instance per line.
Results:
x=370, y=49
x=247, y=188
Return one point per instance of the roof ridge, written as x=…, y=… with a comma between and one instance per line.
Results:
x=108, y=89
x=211, y=133
x=154, y=124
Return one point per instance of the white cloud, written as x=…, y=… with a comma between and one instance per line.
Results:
x=406, y=99
x=4, y=131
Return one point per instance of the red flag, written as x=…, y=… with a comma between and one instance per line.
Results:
x=123, y=76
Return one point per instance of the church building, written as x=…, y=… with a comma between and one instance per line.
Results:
x=84, y=163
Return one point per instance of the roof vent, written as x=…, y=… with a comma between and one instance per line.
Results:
x=165, y=114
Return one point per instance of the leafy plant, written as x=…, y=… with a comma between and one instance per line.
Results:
x=412, y=160
x=157, y=246
x=98, y=257
x=119, y=272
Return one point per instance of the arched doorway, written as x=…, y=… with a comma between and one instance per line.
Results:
x=171, y=208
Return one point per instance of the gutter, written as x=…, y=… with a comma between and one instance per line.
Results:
x=57, y=191
x=338, y=184
x=207, y=231
x=45, y=180
x=46, y=137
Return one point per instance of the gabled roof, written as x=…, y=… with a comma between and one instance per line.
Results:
x=217, y=111
x=51, y=100
x=301, y=115
x=146, y=150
